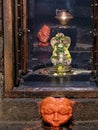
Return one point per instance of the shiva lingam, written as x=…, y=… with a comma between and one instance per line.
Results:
x=63, y=16
x=61, y=57
x=56, y=111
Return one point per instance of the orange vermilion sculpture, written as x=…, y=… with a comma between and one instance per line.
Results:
x=56, y=111
x=44, y=35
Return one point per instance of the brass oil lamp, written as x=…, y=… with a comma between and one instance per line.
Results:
x=63, y=16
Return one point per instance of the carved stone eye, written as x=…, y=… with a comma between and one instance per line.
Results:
x=65, y=111
x=48, y=111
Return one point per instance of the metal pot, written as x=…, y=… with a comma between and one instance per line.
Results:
x=63, y=16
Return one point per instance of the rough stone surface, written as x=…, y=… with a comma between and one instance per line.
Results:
x=90, y=125
x=38, y=126
x=27, y=109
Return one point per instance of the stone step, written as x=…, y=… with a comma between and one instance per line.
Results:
x=79, y=125
x=86, y=125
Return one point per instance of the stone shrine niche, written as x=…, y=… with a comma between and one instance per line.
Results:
x=31, y=64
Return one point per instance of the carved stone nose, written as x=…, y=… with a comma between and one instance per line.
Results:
x=56, y=117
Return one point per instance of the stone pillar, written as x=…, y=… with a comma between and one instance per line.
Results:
x=1, y=51
x=1, y=58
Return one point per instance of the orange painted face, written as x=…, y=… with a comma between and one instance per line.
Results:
x=56, y=111
x=44, y=33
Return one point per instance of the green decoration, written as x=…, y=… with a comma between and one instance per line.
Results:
x=61, y=57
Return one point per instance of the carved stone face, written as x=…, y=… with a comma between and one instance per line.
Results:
x=56, y=111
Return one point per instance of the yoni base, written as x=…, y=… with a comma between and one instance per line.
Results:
x=55, y=71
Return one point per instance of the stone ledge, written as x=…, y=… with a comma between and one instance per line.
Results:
x=86, y=125
x=36, y=125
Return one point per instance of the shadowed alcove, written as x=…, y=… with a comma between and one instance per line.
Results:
x=33, y=62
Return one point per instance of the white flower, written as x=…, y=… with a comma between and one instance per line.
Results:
x=60, y=45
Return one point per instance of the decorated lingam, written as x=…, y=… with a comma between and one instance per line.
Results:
x=56, y=111
x=61, y=57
